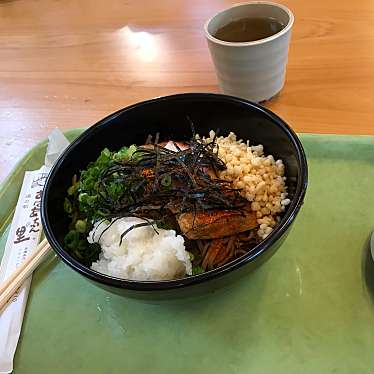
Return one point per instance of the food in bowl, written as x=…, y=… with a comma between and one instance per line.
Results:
x=167, y=210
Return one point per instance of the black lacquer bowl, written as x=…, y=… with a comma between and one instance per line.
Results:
x=169, y=116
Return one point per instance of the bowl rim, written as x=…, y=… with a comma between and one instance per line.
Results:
x=257, y=251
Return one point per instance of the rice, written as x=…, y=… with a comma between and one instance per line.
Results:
x=143, y=254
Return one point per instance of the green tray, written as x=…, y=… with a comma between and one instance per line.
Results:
x=310, y=309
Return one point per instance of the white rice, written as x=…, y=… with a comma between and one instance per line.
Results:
x=143, y=255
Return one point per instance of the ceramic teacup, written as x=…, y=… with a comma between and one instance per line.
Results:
x=254, y=70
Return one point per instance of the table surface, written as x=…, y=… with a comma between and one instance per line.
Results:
x=69, y=63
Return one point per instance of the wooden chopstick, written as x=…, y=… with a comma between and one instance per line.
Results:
x=12, y=283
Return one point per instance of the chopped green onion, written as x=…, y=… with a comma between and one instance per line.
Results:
x=68, y=208
x=71, y=239
x=197, y=270
x=81, y=226
x=72, y=189
x=191, y=256
x=166, y=180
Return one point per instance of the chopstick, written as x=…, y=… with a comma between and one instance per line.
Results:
x=12, y=283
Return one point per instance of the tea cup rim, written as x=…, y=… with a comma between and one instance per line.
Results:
x=289, y=25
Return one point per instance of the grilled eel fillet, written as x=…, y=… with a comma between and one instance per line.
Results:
x=216, y=224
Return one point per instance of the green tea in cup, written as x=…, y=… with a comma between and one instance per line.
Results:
x=249, y=29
